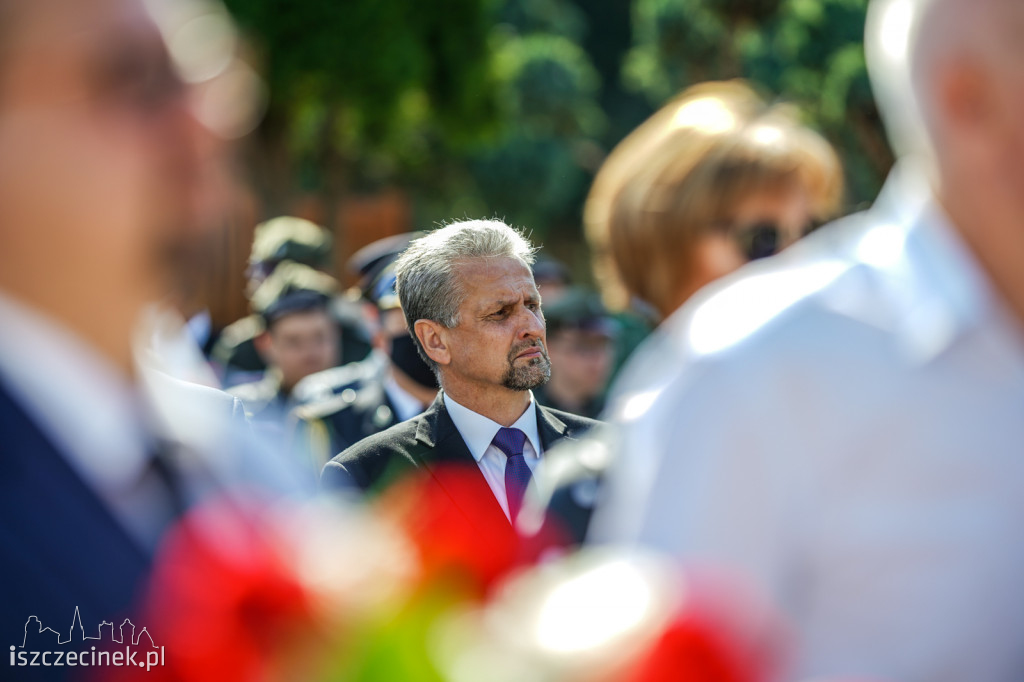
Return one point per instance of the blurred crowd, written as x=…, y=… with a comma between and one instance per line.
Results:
x=770, y=442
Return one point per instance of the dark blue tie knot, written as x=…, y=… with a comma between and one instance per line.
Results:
x=517, y=471
x=510, y=441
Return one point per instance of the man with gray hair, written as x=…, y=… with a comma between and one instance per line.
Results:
x=844, y=423
x=474, y=312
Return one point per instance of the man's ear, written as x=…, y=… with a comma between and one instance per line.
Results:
x=433, y=337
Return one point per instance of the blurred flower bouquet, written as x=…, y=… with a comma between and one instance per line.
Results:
x=410, y=589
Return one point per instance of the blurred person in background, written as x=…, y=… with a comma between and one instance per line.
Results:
x=370, y=261
x=712, y=181
x=581, y=343
x=633, y=322
x=552, y=277
x=843, y=425
x=283, y=241
x=403, y=387
x=469, y=299
x=299, y=338
x=109, y=182
x=366, y=264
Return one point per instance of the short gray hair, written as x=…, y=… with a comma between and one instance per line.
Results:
x=427, y=283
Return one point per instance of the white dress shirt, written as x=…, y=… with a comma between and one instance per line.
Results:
x=478, y=431
x=845, y=424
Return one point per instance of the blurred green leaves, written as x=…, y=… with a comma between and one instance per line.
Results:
x=367, y=56
x=506, y=107
x=805, y=51
x=535, y=173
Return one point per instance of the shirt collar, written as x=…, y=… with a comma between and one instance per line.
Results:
x=478, y=431
x=947, y=290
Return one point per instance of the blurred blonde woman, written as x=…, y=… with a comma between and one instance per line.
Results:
x=711, y=181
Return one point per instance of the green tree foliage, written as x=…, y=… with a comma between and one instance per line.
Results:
x=537, y=173
x=806, y=51
x=475, y=107
x=506, y=107
x=536, y=169
x=360, y=88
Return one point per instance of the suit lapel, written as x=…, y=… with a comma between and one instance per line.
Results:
x=447, y=450
x=551, y=428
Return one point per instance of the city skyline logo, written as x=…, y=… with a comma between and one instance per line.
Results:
x=37, y=647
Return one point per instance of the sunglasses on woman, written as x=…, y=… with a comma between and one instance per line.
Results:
x=764, y=238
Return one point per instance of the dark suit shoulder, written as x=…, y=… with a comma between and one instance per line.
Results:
x=576, y=423
x=376, y=460
x=400, y=438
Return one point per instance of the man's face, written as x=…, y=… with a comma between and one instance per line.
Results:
x=1006, y=125
x=582, y=360
x=499, y=341
x=101, y=158
x=301, y=344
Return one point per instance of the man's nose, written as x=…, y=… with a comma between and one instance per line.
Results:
x=532, y=324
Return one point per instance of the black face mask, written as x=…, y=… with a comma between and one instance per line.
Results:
x=405, y=358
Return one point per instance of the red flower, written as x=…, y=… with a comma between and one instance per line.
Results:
x=457, y=527
x=722, y=632
x=224, y=602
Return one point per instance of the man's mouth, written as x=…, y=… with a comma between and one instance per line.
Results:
x=531, y=352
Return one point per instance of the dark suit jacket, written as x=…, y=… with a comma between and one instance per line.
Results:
x=60, y=547
x=431, y=442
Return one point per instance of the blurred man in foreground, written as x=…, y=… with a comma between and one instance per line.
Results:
x=108, y=181
x=844, y=424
